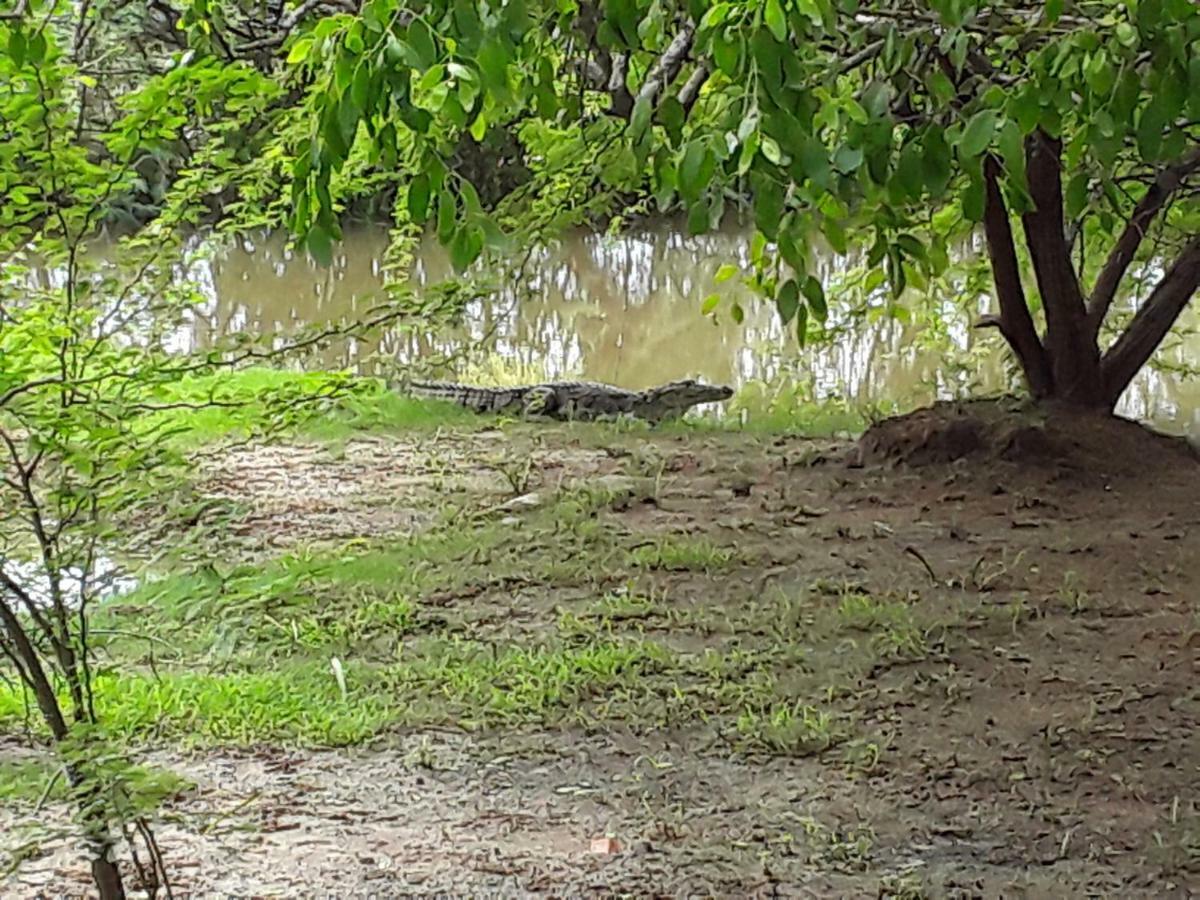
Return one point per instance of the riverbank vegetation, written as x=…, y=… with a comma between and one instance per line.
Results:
x=219, y=549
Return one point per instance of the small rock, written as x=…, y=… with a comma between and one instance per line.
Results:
x=525, y=501
x=605, y=845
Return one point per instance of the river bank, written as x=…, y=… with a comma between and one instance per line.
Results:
x=449, y=659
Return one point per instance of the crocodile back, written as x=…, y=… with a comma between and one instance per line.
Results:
x=575, y=399
x=473, y=397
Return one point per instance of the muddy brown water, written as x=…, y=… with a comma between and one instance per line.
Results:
x=626, y=310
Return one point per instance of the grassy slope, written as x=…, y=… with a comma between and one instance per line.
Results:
x=336, y=647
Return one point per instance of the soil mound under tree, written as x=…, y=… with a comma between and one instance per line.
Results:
x=1019, y=432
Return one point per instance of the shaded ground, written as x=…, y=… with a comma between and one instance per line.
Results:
x=758, y=669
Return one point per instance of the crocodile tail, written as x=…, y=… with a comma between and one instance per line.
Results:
x=443, y=390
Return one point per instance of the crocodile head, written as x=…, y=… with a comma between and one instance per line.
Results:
x=678, y=396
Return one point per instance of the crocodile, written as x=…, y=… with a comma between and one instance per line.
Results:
x=578, y=400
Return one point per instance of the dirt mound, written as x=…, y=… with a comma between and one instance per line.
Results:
x=1021, y=433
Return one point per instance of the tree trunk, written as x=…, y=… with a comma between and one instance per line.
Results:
x=1014, y=321
x=1070, y=343
x=107, y=877
x=1152, y=322
x=105, y=873
x=1065, y=365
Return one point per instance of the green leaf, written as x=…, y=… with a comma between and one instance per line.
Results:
x=418, y=198
x=1011, y=144
x=672, y=116
x=941, y=87
x=770, y=150
x=1150, y=129
x=320, y=245
x=738, y=314
x=479, y=127
x=802, y=326
x=299, y=51
x=711, y=302
x=360, y=89
x=834, y=233
x=36, y=49
x=908, y=171
x=695, y=170
x=1076, y=195
x=746, y=157
x=1054, y=9
x=1026, y=108
x=16, y=47
x=897, y=277
x=847, y=158
x=776, y=21
x=793, y=247
x=978, y=134
x=727, y=48
x=813, y=162
x=421, y=40
x=768, y=204
x=1101, y=76
x=447, y=211
x=466, y=246
x=493, y=63
x=815, y=294
x=727, y=271
x=935, y=163
x=875, y=99
x=1194, y=86
x=639, y=120
x=973, y=196
x=787, y=301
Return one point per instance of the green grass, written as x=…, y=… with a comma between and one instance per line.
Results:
x=790, y=728
x=475, y=622
x=895, y=631
x=439, y=682
x=239, y=655
x=681, y=554
x=789, y=407
x=291, y=401
x=24, y=781
x=322, y=405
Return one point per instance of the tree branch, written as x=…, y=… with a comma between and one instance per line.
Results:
x=1014, y=321
x=1156, y=197
x=690, y=92
x=667, y=66
x=622, y=99
x=18, y=11
x=1152, y=322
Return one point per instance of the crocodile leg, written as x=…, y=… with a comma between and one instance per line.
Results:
x=541, y=401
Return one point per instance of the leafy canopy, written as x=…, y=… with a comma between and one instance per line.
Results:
x=853, y=119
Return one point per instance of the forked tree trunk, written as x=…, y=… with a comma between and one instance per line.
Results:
x=1065, y=365
x=105, y=873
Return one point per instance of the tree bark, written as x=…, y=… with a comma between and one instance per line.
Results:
x=1151, y=323
x=1015, y=322
x=1127, y=244
x=667, y=66
x=104, y=871
x=107, y=877
x=1074, y=355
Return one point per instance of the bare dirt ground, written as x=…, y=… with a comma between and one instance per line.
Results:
x=1008, y=650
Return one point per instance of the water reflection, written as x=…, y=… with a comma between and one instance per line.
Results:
x=626, y=310
x=106, y=579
